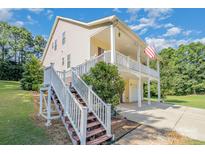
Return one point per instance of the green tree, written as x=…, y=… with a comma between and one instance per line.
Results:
x=106, y=82
x=182, y=70
x=4, y=38
x=32, y=75
x=39, y=45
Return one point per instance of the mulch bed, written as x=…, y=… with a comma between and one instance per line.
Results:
x=57, y=133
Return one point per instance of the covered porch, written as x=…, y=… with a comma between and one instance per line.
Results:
x=126, y=50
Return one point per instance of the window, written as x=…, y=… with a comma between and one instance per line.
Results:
x=63, y=62
x=52, y=45
x=55, y=45
x=68, y=61
x=63, y=38
x=100, y=51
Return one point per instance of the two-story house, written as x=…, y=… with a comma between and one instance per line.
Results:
x=80, y=45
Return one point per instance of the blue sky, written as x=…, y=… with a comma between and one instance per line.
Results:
x=159, y=27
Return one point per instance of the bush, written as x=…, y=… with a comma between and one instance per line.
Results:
x=106, y=82
x=10, y=70
x=33, y=75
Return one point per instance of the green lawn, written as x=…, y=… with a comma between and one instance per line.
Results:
x=197, y=101
x=16, y=124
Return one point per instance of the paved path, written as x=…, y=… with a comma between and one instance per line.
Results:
x=187, y=121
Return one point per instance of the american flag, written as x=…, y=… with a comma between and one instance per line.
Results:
x=150, y=52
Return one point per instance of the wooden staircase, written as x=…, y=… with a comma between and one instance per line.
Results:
x=96, y=133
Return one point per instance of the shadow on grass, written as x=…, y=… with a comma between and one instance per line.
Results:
x=176, y=101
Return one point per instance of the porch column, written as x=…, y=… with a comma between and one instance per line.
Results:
x=158, y=70
x=139, y=92
x=148, y=84
x=112, y=43
x=140, y=80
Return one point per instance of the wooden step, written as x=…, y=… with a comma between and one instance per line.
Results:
x=91, y=117
x=95, y=132
x=99, y=140
x=90, y=133
x=93, y=124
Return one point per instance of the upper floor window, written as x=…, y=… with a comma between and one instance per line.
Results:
x=63, y=61
x=55, y=45
x=68, y=61
x=52, y=45
x=63, y=38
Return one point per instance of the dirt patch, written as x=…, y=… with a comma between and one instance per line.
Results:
x=56, y=132
x=121, y=126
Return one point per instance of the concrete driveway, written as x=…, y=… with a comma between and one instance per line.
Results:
x=187, y=121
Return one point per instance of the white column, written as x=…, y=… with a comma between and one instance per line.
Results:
x=109, y=121
x=64, y=76
x=41, y=102
x=48, y=123
x=159, y=91
x=112, y=43
x=83, y=125
x=139, y=80
x=139, y=92
x=148, y=91
x=148, y=84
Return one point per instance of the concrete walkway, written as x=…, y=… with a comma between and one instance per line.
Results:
x=186, y=121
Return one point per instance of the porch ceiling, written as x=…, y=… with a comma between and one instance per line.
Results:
x=124, y=43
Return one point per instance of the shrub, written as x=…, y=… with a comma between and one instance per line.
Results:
x=106, y=82
x=10, y=70
x=33, y=75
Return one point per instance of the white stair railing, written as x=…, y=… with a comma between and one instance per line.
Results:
x=76, y=114
x=101, y=110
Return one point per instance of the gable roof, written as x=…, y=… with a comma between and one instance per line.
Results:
x=96, y=23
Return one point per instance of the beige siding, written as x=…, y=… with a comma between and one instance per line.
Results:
x=77, y=45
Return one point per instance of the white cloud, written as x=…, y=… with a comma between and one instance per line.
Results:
x=5, y=14
x=144, y=22
x=19, y=23
x=160, y=13
x=161, y=43
x=133, y=10
x=49, y=13
x=143, y=31
x=31, y=20
x=36, y=10
x=168, y=25
x=173, y=31
x=133, y=14
x=116, y=10
x=151, y=19
x=202, y=40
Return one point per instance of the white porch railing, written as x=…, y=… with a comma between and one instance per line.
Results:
x=125, y=61
x=85, y=67
x=76, y=114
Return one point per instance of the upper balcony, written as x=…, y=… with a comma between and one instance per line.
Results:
x=126, y=62
x=124, y=49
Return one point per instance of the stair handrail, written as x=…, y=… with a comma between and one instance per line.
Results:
x=100, y=109
x=76, y=113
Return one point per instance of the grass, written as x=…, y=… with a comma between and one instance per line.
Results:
x=16, y=124
x=197, y=101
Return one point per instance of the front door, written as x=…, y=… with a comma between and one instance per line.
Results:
x=133, y=93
